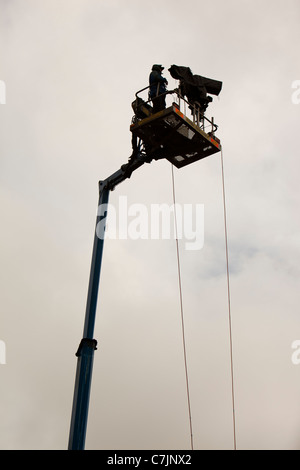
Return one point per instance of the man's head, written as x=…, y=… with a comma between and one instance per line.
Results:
x=158, y=67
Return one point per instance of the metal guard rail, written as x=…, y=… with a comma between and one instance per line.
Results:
x=198, y=116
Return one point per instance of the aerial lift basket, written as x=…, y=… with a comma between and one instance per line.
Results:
x=172, y=135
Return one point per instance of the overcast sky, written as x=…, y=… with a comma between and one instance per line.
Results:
x=71, y=69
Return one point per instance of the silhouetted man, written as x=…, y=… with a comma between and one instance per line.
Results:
x=158, y=86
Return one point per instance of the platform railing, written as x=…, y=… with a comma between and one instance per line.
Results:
x=198, y=117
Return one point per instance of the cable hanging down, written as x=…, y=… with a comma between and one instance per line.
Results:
x=229, y=304
x=182, y=317
x=229, y=309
